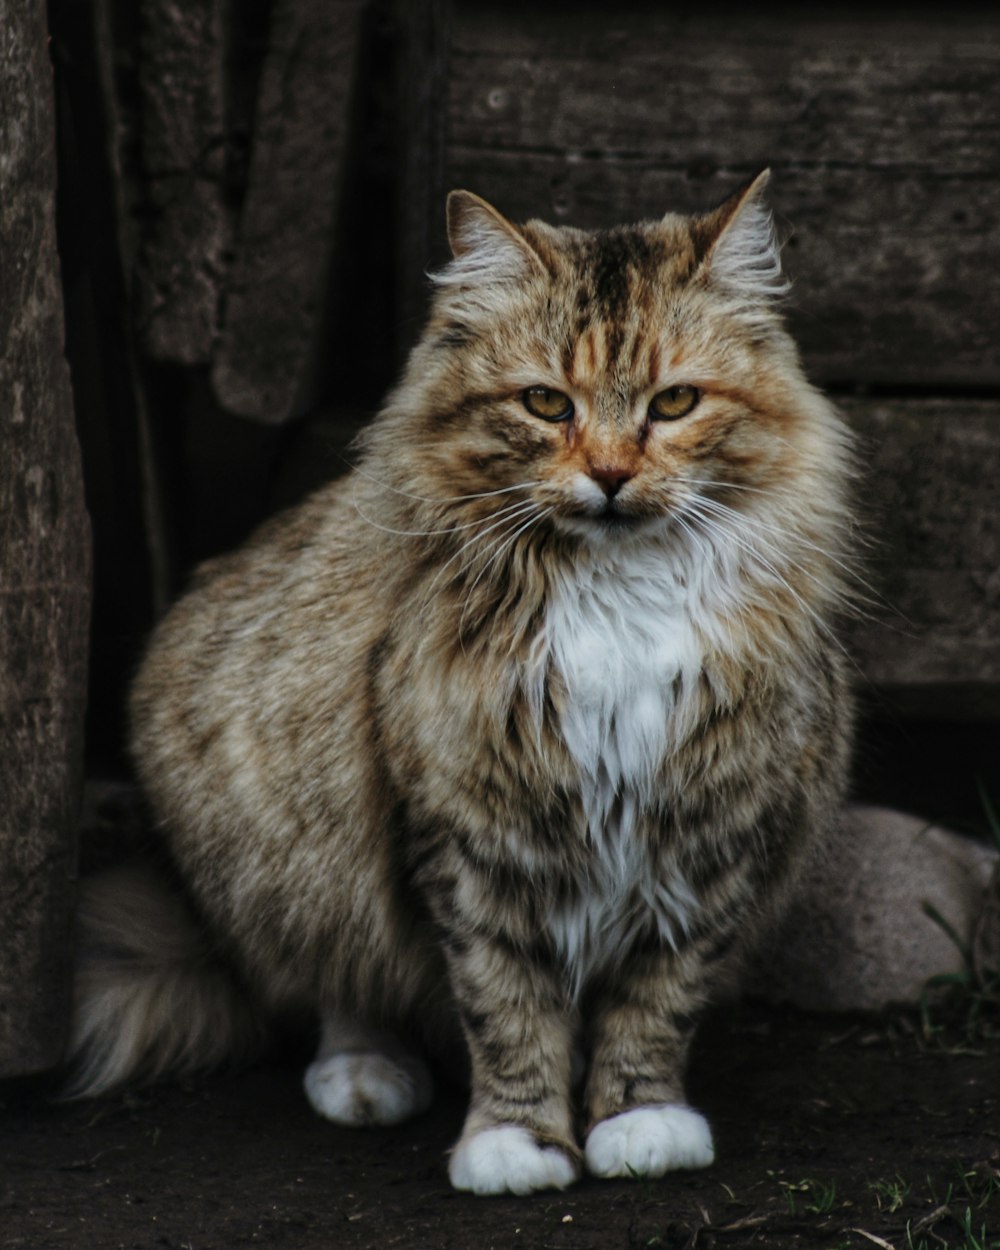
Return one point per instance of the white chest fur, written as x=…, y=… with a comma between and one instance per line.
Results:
x=621, y=635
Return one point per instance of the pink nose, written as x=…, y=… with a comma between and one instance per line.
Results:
x=610, y=477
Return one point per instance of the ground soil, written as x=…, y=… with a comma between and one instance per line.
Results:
x=829, y=1131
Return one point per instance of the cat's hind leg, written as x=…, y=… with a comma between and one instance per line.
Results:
x=364, y=1077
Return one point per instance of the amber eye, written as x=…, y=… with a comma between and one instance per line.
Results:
x=676, y=401
x=550, y=405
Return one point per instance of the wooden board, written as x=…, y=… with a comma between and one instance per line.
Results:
x=931, y=645
x=883, y=138
x=423, y=35
x=44, y=570
x=187, y=225
x=276, y=285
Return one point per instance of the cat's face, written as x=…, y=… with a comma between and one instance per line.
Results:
x=611, y=380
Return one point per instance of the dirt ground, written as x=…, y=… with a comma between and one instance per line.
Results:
x=830, y=1132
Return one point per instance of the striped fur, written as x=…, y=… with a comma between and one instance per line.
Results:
x=518, y=732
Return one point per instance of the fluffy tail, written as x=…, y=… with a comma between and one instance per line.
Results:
x=149, y=996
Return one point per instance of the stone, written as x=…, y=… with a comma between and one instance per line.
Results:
x=858, y=935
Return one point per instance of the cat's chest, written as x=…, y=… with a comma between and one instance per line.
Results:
x=623, y=644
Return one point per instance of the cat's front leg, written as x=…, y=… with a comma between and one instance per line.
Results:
x=640, y=1123
x=518, y=1135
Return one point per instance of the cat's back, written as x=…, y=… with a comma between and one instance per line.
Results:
x=262, y=660
x=316, y=562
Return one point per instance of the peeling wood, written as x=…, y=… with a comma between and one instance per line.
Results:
x=275, y=288
x=187, y=225
x=44, y=570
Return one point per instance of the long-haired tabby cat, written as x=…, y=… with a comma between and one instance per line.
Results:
x=518, y=732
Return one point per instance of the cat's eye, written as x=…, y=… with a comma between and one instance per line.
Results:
x=674, y=402
x=544, y=402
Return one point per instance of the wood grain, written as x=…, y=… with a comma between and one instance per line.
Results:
x=187, y=224
x=930, y=643
x=276, y=285
x=44, y=570
x=882, y=135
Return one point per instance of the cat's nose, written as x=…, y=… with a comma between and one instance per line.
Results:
x=610, y=477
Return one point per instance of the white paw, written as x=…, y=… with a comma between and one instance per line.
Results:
x=650, y=1141
x=359, y=1088
x=507, y=1160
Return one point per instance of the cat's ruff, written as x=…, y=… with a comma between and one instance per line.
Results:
x=621, y=630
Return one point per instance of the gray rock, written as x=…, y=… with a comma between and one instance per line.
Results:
x=857, y=935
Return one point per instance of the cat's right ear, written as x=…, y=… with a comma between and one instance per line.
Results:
x=485, y=245
x=737, y=244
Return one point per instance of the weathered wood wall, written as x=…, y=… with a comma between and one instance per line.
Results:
x=883, y=136
x=44, y=569
x=930, y=643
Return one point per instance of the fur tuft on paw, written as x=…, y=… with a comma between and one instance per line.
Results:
x=508, y=1160
x=368, y=1088
x=650, y=1141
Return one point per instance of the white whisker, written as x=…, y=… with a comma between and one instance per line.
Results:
x=448, y=529
x=500, y=545
x=701, y=543
x=515, y=512
x=755, y=554
x=755, y=522
x=444, y=499
x=506, y=542
x=720, y=484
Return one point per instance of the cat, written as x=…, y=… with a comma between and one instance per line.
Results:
x=518, y=733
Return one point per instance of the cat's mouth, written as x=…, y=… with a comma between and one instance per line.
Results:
x=615, y=514
x=610, y=519
x=613, y=517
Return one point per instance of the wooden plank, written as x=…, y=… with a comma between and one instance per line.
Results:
x=882, y=135
x=44, y=569
x=423, y=34
x=187, y=226
x=276, y=286
x=929, y=496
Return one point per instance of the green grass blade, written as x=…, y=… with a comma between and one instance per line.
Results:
x=952, y=932
x=992, y=816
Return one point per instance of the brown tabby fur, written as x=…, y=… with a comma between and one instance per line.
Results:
x=355, y=738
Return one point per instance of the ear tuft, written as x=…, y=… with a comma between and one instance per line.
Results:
x=739, y=244
x=484, y=244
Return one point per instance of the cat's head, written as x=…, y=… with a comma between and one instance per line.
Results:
x=612, y=379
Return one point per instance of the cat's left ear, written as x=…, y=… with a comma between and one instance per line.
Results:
x=737, y=244
x=484, y=244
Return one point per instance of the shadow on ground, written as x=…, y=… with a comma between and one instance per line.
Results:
x=830, y=1132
